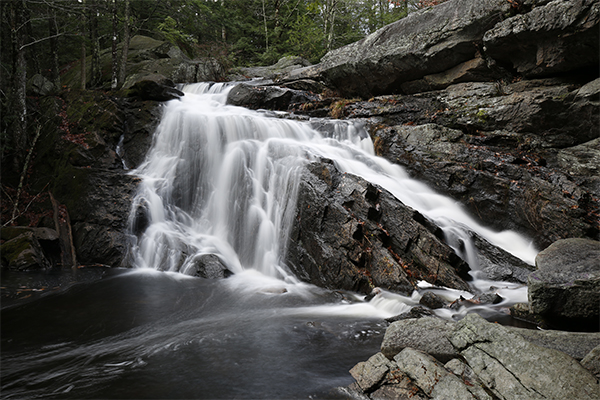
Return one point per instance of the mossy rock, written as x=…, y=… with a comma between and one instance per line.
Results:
x=23, y=253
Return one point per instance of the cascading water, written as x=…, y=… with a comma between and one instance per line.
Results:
x=222, y=180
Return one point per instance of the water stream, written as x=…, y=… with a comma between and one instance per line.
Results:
x=222, y=180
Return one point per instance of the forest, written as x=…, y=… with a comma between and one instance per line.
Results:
x=48, y=36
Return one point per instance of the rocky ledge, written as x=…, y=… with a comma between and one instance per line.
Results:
x=475, y=359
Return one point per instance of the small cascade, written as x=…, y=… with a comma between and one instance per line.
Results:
x=222, y=180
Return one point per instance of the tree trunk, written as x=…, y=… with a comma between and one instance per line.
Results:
x=83, y=61
x=95, y=41
x=53, y=33
x=19, y=99
x=125, y=50
x=62, y=224
x=115, y=60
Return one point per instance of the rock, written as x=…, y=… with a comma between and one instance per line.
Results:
x=511, y=367
x=488, y=173
x=353, y=235
x=475, y=70
x=40, y=86
x=267, y=97
x=23, y=253
x=463, y=371
x=283, y=66
x=99, y=203
x=371, y=372
x=575, y=344
x=553, y=38
x=431, y=376
x=565, y=289
x=415, y=312
x=425, y=42
x=155, y=87
x=591, y=361
x=207, y=266
x=432, y=300
x=428, y=334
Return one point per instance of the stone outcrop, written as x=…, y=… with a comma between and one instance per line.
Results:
x=148, y=57
x=350, y=234
x=510, y=367
x=556, y=37
x=460, y=41
x=504, y=154
x=486, y=361
x=565, y=289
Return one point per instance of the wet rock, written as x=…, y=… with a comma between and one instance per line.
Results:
x=557, y=37
x=486, y=172
x=432, y=300
x=155, y=87
x=565, y=289
x=511, y=367
x=487, y=298
x=267, y=97
x=208, y=266
x=415, y=312
x=352, y=235
x=428, y=334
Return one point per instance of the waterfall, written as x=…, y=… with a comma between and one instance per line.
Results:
x=223, y=180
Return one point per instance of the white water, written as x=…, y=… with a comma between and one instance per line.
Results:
x=223, y=180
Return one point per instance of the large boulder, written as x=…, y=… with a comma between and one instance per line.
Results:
x=565, y=289
x=267, y=97
x=513, y=368
x=350, y=234
x=462, y=41
x=428, y=334
x=558, y=37
x=426, y=42
x=24, y=253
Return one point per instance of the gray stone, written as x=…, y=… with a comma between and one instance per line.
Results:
x=575, y=344
x=428, y=334
x=566, y=284
x=431, y=376
x=513, y=368
x=207, y=266
x=369, y=373
x=464, y=372
x=267, y=97
x=40, y=86
x=426, y=42
x=432, y=300
x=591, y=361
x=557, y=37
x=353, y=235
